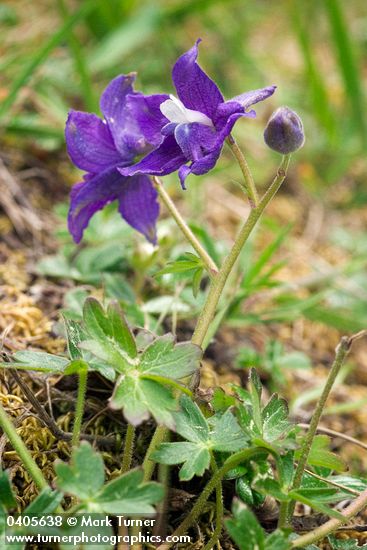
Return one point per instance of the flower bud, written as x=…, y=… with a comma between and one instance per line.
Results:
x=284, y=131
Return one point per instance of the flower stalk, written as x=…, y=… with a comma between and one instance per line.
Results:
x=22, y=451
x=218, y=284
x=341, y=353
x=248, y=183
x=189, y=235
x=79, y=410
x=231, y=462
x=128, y=449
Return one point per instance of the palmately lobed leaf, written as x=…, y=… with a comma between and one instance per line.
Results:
x=84, y=477
x=37, y=361
x=165, y=358
x=128, y=494
x=138, y=398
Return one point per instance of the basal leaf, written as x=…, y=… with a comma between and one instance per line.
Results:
x=110, y=336
x=164, y=358
x=38, y=361
x=226, y=434
x=190, y=422
x=128, y=494
x=275, y=419
x=138, y=398
x=7, y=498
x=120, y=330
x=245, y=529
x=219, y=433
x=84, y=476
x=196, y=458
x=74, y=335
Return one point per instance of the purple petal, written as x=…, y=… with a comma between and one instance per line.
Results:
x=201, y=166
x=194, y=88
x=254, y=96
x=194, y=139
x=146, y=111
x=91, y=195
x=139, y=206
x=125, y=131
x=89, y=142
x=160, y=162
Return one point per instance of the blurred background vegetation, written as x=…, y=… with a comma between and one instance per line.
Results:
x=60, y=54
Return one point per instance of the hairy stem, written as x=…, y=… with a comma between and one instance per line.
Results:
x=159, y=436
x=79, y=410
x=128, y=449
x=22, y=451
x=333, y=524
x=189, y=235
x=218, y=283
x=197, y=509
x=219, y=511
x=249, y=184
x=341, y=353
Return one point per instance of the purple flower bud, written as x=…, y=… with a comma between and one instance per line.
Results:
x=284, y=131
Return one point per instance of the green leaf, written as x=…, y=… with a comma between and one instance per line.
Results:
x=111, y=339
x=7, y=498
x=120, y=330
x=74, y=335
x=226, y=434
x=275, y=419
x=196, y=281
x=84, y=477
x=220, y=433
x=45, y=503
x=320, y=455
x=344, y=544
x=248, y=534
x=255, y=389
x=38, y=361
x=128, y=494
x=164, y=358
x=245, y=529
x=139, y=397
x=307, y=497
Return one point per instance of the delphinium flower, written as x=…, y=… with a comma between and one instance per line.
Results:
x=101, y=148
x=189, y=131
x=284, y=131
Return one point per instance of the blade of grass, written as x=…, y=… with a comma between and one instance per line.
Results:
x=81, y=66
x=347, y=64
x=318, y=89
x=41, y=55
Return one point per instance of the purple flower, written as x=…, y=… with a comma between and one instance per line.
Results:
x=188, y=132
x=101, y=148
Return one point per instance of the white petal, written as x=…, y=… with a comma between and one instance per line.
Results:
x=175, y=111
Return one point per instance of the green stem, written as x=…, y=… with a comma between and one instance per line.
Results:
x=197, y=509
x=22, y=451
x=218, y=283
x=159, y=436
x=79, y=409
x=333, y=524
x=196, y=245
x=219, y=511
x=341, y=353
x=249, y=184
x=128, y=449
